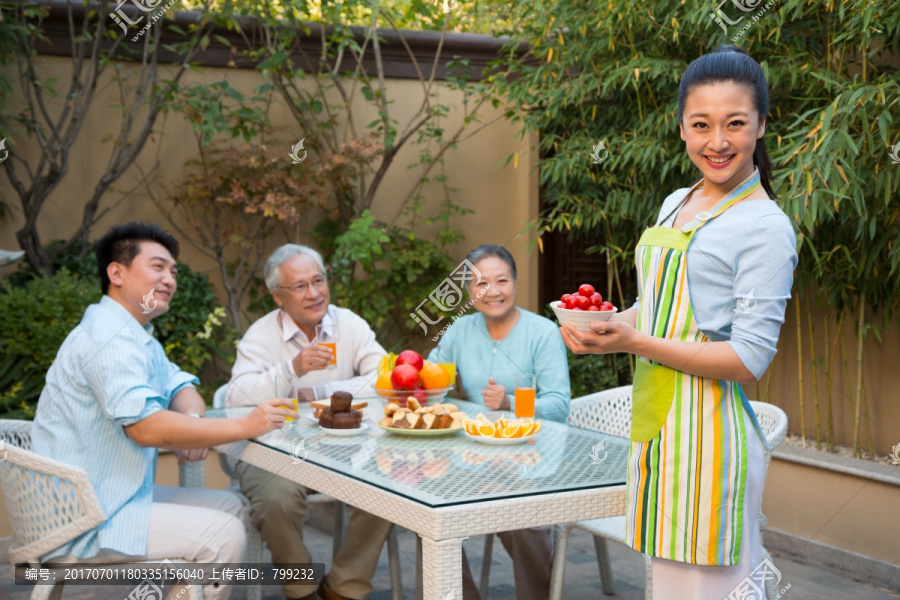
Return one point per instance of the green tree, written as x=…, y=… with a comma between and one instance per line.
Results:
x=346, y=155
x=50, y=116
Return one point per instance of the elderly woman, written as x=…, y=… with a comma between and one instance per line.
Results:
x=490, y=348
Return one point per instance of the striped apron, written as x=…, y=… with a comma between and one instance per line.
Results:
x=688, y=459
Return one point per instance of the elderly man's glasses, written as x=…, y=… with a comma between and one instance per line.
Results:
x=301, y=287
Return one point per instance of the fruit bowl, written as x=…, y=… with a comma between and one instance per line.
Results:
x=423, y=396
x=581, y=319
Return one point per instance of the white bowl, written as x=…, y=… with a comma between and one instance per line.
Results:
x=435, y=396
x=581, y=319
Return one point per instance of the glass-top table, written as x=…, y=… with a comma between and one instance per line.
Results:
x=449, y=487
x=454, y=469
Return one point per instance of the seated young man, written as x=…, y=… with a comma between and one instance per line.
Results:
x=283, y=344
x=112, y=398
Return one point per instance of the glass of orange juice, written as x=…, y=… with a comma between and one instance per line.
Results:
x=445, y=354
x=286, y=387
x=326, y=335
x=450, y=370
x=525, y=392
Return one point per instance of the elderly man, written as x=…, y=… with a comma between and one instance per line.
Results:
x=112, y=398
x=283, y=344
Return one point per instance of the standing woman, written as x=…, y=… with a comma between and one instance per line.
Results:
x=714, y=276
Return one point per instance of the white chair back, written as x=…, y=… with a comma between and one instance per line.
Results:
x=219, y=396
x=16, y=432
x=773, y=420
x=49, y=503
x=608, y=411
x=226, y=462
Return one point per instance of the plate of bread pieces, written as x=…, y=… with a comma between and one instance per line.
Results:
x=417, y=420
x=340, y=415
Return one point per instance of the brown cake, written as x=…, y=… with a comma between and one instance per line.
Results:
x=341, y=401
x=345, y=420
x=340, y=414
x=326, y=419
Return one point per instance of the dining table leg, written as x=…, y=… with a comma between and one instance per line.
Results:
x=420, y=590
x=442, y=569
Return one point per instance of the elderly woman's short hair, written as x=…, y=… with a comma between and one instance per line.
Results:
x=491, y=250
x=272, y=273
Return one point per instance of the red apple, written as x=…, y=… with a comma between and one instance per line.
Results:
x=404, y=377
x=409, y=357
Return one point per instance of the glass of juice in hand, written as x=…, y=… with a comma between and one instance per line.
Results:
x=286, y=387
x=326, y=336
x=525, y=392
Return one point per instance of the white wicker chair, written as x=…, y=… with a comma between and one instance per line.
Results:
x=254, y=540
x=610, y=412
x=49, y=503
x=774, y=423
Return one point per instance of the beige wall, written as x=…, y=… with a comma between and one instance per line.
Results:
x=841, y=510
x=503, y=198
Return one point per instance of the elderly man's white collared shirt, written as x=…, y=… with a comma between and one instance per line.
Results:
x=267, y=351
x=292, y=331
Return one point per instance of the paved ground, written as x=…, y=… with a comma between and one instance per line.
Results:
x=582, y=578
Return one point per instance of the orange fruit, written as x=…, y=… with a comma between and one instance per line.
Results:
x=471, y=427
x=487, y=430
x=434, y=377
x=535, y=428
x=384, y=382
x=483, y=419
x=511, y=431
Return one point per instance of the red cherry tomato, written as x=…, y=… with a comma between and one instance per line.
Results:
x=606, y=306
x=561, y=305
x=596, y=299
x=586, y=290
x=593, y=308
x=567, y=300
x=576, y=308
x=582, y=302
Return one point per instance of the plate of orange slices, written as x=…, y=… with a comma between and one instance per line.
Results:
x=503, y=432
